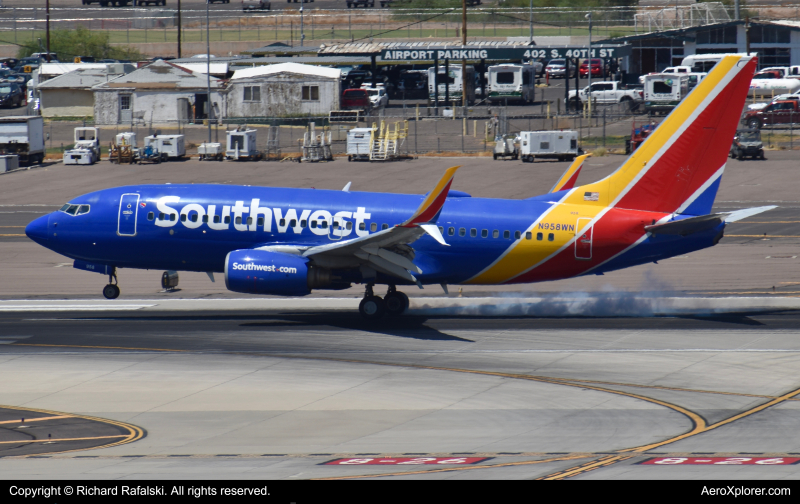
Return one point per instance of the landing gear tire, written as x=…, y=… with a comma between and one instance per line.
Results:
x=372, y=307
x=111, y=291
x=396, y=303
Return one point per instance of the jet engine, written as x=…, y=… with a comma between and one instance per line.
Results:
x=276, y=273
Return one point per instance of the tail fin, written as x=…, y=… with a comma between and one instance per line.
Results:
x=678, y=167
x=568, y=179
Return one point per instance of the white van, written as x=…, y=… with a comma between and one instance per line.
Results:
x=703, y=63
x=512, y=82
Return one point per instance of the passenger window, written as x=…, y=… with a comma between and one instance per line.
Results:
x=260, y=221
x=528, y=235
x=173, y=217
x=517, y=235
x=83, y=209
x=384, y=226
x=217, y=219
x=303, y=223
x=292, y=223
x=151, y=216
x=551, y=237
x=362, y=226
x=484, y=233
x=282, y=222
x=441, y=230
x=506, y=234
x=373, y=227
x=161, y=216
x=496, y=233
x=183, y=217
x=539, y=236
x=462, y=232
x=249, y=221
x=193, y=218
x=473, y=232
x=324, y=224
x=314, y=224
x=227, y=219
x=239, y=219
x=451, y=231
x=205, y=218
x=349, y=225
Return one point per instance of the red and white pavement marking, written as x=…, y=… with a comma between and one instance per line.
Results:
x=408, y=461
x=721, y=461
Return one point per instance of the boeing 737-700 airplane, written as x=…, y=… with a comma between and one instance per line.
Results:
x=288, y=242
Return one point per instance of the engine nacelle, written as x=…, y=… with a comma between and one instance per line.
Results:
x=265, y=272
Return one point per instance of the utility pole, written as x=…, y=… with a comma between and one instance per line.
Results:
x=47, y=27
x=209, y=104
x=179, y=26
x=302, y=35
x=589, y=92
x=530, y=42
x=463, y=61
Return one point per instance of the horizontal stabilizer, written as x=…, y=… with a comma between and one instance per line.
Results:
x=747, y=212
x=688, y=226
x=568, y=179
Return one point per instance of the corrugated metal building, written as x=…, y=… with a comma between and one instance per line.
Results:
x=71, y=94
x=159, y=93
x=283, y=90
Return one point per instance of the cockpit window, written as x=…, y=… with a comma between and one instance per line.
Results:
x=71, y=209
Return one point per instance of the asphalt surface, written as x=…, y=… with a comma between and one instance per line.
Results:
x=571, y=379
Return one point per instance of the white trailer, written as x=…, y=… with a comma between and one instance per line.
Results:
x=561, y=145
x=169, y=146
x=512, y=83
x=23, y=136
x=241, y=144
x=359, y=144
x=453, y=80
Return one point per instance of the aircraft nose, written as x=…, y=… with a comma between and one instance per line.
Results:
x=37, y=230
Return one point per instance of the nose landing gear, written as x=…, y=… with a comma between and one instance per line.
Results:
x=111, y=291
x=373, y=307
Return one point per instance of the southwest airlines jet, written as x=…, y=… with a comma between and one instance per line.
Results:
x=287, y=242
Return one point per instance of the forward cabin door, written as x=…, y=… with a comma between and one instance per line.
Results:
x=583, y=243
x=128, y=211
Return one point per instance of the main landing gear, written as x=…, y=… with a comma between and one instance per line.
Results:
x=111, y=291
x=373, y=307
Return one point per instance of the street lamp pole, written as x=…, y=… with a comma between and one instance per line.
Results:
x=530, y=42
x=463, y=61
x=302, y=35
x=48, y=31
x=209, y=103
x=179, y=27
x=589, y=67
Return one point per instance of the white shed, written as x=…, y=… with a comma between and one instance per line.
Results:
x=283, y=90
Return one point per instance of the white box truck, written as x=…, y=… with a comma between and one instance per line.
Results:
x=561, y=145
x=359, y=144
x=23, y=136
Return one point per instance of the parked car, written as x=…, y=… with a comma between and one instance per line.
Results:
x=598, y=67
x=778, y=113
x=606, y=92
x=377, y=96
x=360, y=3
x=760, y=106
x=43, y=55
x=558, y=67
x=248, y=5
x=31, y=61
x=11, y=95
x=356, y=99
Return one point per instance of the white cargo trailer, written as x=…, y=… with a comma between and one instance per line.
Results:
x=23, y=136
x=561, y=145
x=359, y=144
x=241, y=144
x=169, y=146
x=512, y=83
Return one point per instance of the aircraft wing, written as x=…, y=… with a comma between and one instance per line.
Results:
x=388, y=250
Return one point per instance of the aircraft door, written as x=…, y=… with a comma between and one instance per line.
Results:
x=128, y=212
x=583, y=242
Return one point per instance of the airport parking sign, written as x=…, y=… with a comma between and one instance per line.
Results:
x=501, y=53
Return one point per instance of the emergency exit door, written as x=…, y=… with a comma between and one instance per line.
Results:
x=583, y=242
x=128, y=211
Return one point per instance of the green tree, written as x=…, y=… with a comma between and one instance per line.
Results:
x=81, y=42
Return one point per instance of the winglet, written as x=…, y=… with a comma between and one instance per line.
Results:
x=430, y=208
x=568, y=179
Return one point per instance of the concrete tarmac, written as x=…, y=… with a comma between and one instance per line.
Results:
x=585, y=378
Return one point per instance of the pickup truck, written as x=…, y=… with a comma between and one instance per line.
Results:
x=774, y=114
x=606, y=92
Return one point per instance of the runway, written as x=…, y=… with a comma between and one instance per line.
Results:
x=276, y=393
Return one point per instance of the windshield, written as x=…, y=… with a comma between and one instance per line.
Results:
x=5, y=89
x=556, y=62
x=750, y=136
